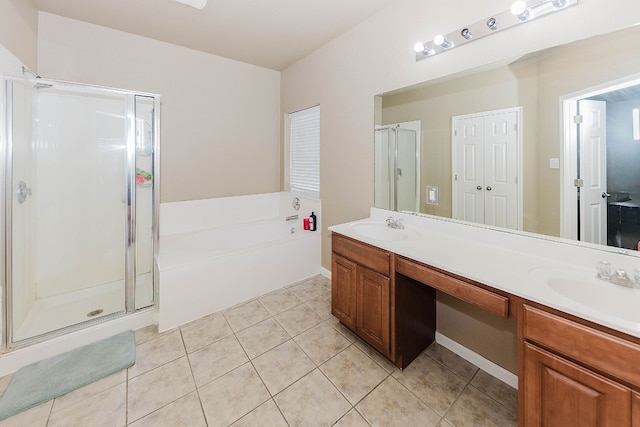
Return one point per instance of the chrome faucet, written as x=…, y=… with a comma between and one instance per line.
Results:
x=395, y=223
x=291, y=218
x=619, y=276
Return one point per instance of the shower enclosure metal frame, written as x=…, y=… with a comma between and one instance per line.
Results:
x=6, y=205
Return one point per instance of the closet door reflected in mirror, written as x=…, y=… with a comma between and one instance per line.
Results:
x=486, y=167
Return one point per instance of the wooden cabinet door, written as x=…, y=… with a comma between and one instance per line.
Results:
x=635, y=409
x=561, y=393
x=373, y=309
x=343, y=290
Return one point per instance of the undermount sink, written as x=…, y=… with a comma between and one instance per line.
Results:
x=379, y=231
x=587, y=290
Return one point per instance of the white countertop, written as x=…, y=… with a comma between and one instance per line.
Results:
x=519, y=264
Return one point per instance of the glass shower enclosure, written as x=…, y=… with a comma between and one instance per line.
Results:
x=79, y=206
x=396, y=169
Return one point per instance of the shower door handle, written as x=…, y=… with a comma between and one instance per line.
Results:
x=23, y=192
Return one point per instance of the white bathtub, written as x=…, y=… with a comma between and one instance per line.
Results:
x=208, y=270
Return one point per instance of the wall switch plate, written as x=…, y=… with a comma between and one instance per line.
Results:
x=432, y=195
x=554, y=163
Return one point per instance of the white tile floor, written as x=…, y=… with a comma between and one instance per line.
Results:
x=278, y=360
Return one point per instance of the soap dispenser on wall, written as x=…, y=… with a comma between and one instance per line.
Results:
x=313, y=224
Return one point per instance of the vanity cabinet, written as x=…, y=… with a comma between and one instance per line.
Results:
x=361, y=291
x=394, y=313
x=571, y=372
x=574, y=374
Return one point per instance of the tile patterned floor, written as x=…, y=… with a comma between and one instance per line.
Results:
x=278, y=360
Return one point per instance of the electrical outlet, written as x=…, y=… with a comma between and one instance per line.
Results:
x=432, y=195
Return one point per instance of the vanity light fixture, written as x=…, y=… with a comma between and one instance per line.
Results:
x=198, y=4
x=521, y=12
x=636, y=124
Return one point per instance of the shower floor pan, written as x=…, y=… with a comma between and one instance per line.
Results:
x=60, y=311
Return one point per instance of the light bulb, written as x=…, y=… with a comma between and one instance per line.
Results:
x=418, y=47
x=519, y=9
x=441, y=40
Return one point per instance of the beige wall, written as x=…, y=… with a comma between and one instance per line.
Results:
x=494, y=337
x=9, y=63
x=19, y=30
x=220, y=121
x=377, y=57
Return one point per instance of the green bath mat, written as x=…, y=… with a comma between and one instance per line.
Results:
x=42, y=381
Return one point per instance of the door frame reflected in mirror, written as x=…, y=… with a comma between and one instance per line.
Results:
x=574, y=219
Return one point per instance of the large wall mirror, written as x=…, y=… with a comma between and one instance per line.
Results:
x=548, y=143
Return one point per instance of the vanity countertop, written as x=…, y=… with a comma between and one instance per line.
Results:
x=552, y=272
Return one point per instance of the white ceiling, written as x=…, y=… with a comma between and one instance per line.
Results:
x=268, y=33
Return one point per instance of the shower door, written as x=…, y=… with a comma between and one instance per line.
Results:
x=405, y=171
x=70, y=205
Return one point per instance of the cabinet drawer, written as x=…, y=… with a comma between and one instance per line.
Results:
x=596, y=349
x=368, y=256
x=468, y=292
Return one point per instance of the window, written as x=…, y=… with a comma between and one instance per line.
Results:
x=304, y=154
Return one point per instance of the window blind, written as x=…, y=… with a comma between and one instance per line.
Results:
x=304, y=141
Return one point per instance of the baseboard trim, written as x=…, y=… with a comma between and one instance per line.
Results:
x=326, y=273
x=473, y=357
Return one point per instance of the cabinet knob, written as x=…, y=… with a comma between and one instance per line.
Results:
x=488, y=188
